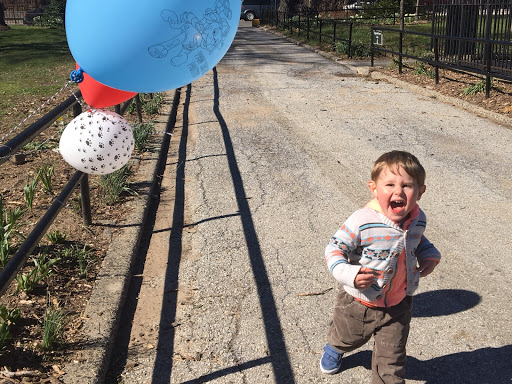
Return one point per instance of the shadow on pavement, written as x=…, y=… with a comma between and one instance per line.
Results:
x=163, y=363
x=443, y=302
x=482, y=366
x=227, y=371
x=278, y=355
x=485, y=365
x=275, y=339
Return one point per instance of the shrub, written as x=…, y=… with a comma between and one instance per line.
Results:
x=53, y=325
x=141, y=133
x=45, y=175
x=476, y=88
x=358, y=49
x=8, y=227
x=30, y=190
x=42, y=269
x=150, y=105
x=7, y=319
x=115, y=184
x=56, y=237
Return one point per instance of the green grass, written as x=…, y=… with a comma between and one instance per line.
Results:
x=35, y=62
x=415, y=45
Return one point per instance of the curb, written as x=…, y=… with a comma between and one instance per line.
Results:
x=102, y=314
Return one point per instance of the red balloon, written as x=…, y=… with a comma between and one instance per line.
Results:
x=98, y=95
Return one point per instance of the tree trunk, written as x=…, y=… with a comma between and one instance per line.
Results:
x=3, y=25
x=288, y=5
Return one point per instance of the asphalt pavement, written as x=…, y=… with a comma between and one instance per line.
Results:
x=275, y=150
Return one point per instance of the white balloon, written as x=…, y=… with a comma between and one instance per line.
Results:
x=97, y=142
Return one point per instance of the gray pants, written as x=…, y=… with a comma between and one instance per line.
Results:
x=355, y=323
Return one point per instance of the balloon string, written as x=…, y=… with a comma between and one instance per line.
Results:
x=14, y=129
x=74, y=95
x=33, y=113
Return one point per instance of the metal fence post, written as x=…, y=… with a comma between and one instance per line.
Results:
x=77, y=109
x=85, y=196
x=436, y=58
x=400, y=48
x=372, y=49
x=308, y=27
x=432, y=29
x=334, y=36
x=320, y=36
x=487, y=52
x=139, y=107
x=350, y=40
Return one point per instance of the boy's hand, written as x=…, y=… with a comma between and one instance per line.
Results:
x=364, y=278
x=426, y=267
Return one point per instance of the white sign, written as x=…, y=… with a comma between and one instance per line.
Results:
x=377, y=37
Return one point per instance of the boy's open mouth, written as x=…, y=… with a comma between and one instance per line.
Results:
x=397, y=206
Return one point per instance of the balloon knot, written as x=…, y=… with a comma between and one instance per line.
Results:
x=77, y=75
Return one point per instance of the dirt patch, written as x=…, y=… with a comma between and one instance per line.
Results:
x=70, y=286
x=463, y=86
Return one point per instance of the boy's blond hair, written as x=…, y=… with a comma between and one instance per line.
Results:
x=394, y=159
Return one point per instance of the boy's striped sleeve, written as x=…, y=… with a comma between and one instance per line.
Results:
x=344, y=241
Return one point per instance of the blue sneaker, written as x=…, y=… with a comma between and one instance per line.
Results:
x=330, y=363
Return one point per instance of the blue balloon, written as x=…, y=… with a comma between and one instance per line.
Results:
x=150, y=46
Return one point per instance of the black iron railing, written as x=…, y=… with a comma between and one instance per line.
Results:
x=334, y=26
x=482, y=64
x=16, y=144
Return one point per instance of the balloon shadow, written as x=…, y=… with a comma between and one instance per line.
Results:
x=443, y=302
x=280, y=360
x=483, y=366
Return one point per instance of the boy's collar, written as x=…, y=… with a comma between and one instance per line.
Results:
x=374, y=204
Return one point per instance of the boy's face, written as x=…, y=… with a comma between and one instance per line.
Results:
x=397, y=192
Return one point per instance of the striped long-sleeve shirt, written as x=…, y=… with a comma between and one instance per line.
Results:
x=370, y=239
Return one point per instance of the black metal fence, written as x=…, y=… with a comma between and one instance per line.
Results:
x=482, y=61
x=79, y=178
x=334, y=26
x=466, y=35
x=474, y=35
x=325, y=31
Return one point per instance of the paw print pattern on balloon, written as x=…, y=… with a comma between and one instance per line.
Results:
x=97, y=142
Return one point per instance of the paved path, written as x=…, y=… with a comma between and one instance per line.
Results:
x=272, y=152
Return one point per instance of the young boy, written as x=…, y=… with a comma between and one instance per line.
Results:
x=377, y=257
